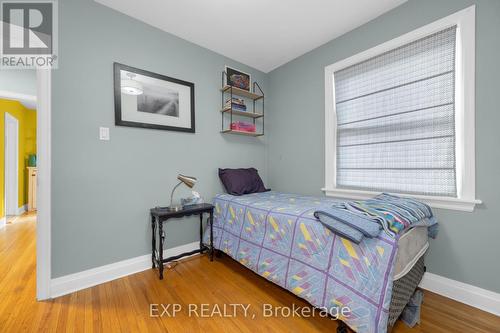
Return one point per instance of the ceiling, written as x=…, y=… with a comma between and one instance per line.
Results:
x=263, y=34
x=28, y=101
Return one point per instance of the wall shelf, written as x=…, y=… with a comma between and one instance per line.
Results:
x=242, y=93
x=256, y=96
x=243, y=113
x=229, y=131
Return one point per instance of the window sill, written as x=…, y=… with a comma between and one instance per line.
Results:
x=464, y=205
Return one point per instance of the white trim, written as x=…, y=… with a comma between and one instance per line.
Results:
x=474, y=296
x=465, y=109
x=22, y=209
x=43, y=233
x=330, y=130
x=465, y=103
x=70, y=283
x=11, y=189
x=480, y=298
x=28, y=101
x=3, y=222
x=435, y=202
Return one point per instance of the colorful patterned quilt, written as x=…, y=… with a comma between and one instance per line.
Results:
x=277, y=236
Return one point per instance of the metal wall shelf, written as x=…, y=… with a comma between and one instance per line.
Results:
x=256, y=96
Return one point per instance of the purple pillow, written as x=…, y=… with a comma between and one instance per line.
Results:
x=241, y=181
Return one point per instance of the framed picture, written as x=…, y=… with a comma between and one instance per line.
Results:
x=238, y=79
x=149, y=100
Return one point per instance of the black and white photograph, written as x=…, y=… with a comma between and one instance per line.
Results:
x=150, y=100
x=159, y=100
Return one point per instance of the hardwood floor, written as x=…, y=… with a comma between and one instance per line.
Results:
x=124, y=305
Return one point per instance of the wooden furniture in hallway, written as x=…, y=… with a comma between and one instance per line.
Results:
x=32, y=181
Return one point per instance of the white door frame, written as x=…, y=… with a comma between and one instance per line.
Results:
x=11, y=165
x=43, y=230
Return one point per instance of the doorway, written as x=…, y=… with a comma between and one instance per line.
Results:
x=30, y=106
x=11, y=166
x=33, y=139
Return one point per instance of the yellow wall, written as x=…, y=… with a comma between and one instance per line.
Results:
x=27, y=146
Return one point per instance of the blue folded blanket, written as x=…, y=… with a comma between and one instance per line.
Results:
x=411, y=313
x=394, y=213
x=347, y=224
x=357, y=219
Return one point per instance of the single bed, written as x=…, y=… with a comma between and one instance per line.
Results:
x=277, y=236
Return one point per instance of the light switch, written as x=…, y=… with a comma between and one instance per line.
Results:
x=104, y=133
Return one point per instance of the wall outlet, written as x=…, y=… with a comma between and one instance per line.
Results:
x=104, y=133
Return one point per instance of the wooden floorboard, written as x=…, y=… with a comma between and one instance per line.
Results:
x=123, y=305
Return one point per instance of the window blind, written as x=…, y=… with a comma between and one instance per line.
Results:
x=396, y=119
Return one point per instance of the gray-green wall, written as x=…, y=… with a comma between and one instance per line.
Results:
x=468, y=247
x=102, y=191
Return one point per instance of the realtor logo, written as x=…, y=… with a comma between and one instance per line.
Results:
x=28, y=34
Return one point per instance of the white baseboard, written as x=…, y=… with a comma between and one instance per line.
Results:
x=21, y=210
x=3, y=222
x=73, y=282
x=483, y=299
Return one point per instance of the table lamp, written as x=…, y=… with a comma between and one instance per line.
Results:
x=189, y=181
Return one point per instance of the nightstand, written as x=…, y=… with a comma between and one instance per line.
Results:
x=162, y=214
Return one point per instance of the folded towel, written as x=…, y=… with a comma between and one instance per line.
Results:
x=340, y=228
x=348, y=224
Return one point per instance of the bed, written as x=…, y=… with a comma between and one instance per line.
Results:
x=276, y=236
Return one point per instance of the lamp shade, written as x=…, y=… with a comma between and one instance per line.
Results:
x=188, y=180
x=131, y=87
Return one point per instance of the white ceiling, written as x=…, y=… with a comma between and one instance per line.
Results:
x=29, y=101
x=263, y=34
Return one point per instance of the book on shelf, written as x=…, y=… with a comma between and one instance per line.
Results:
x=236, y=101
x=243, y=126
x=236, y=107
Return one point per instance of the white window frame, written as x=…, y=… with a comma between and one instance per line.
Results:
x=464, y=112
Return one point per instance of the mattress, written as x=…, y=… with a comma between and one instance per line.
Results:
x=411, y=246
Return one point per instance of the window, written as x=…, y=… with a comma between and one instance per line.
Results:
x=397, y=117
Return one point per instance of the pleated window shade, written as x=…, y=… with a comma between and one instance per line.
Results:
x=396, y=119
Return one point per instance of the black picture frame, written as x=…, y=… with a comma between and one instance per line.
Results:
x=117, y=67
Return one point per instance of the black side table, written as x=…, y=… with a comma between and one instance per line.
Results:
x=162, y=214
